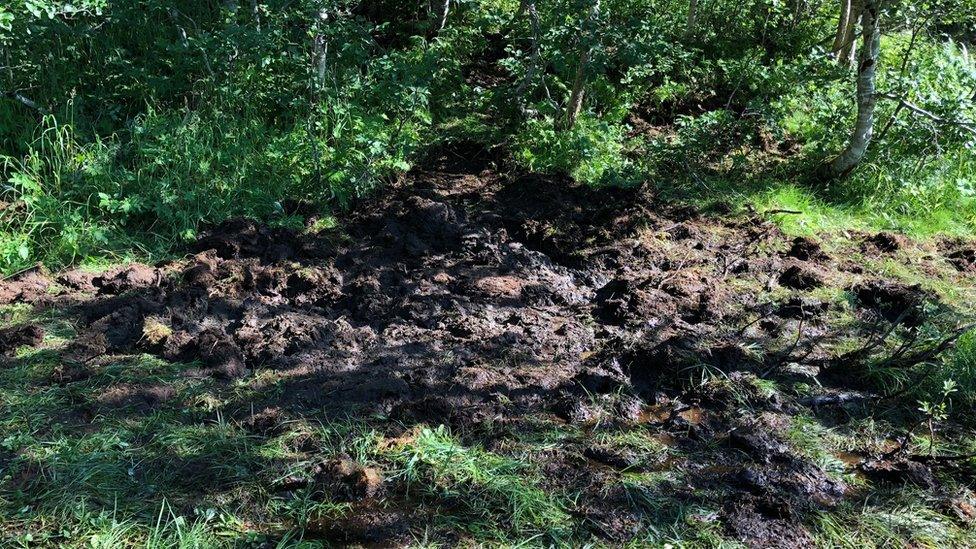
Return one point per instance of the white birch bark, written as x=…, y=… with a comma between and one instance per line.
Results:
x=867, y=97
x=847, y=37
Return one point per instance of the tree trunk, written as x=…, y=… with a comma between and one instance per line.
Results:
x=866, y=94
x=846, y=40
x=579, y=82
x=445, y=10
x=535, y=56
x=799, y=10
x=842, y=24
x=256, y=12
x=576, y=98
x=692, y=19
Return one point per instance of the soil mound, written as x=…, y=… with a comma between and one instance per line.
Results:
x=457, y=297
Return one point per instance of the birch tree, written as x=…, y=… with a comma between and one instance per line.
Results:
x=845, y=39
x=867, y=97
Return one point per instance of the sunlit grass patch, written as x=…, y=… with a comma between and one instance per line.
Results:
x=636, y=439
x=494, y=493
x=960, y=366
x=890, y=519
x=84, y=525
x=821, y=445
x=15, y=313
x=669, y=521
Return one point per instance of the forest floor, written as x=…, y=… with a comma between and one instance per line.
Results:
x=482, y=358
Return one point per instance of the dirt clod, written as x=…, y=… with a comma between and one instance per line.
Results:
x=78, y=280
x=800, y=277
x=803, y=307
x=269, y=421
x=886, y=242
x=26, y=287
x=346, y=480
x=806, y=249
x=612, y=457
x=24, y=335
x=962, y=505
x=764, y=523
x=900, y=471
x=963, y=259
x=486, y=303
x=129, y=278
x=237, y=238
x=894, y=301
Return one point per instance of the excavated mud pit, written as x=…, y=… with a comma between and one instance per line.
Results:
x=470, y=299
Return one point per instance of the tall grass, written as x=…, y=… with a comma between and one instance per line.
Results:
x=69, y=199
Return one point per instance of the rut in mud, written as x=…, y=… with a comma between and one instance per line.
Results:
x=462, y=297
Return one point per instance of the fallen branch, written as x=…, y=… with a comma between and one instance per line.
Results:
x=926, y=459
x=925, y=355
x=875, y=339
x=27, y=102
x=783, y=358
x=835, y=399
x=36, y=266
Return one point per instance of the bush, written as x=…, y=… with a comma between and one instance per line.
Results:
x=592, y=152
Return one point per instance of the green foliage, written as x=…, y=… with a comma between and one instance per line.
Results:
x=960, y=369
x=123, y=126
x=592, y=151
x=492, y=487
x=168, y=115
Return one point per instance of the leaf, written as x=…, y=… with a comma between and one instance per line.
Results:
x=27, y=184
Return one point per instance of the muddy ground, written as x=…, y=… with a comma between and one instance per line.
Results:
x=477, y=300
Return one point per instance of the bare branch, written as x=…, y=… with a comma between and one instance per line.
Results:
x=27, y=102
x=904, y=103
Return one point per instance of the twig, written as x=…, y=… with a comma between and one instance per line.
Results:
x=901, y=74
x=36, y=266
x=929, y=353
x=873, y=343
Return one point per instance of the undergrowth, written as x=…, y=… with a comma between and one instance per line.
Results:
x=122, y=148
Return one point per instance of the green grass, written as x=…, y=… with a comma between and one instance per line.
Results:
x=489, y=487
x=960, y=367
x=819, y=216
x=890, y=519
x=186, y=475
x=91, y=198
x=669, y=521
x=77, y=472
x=160, y=120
